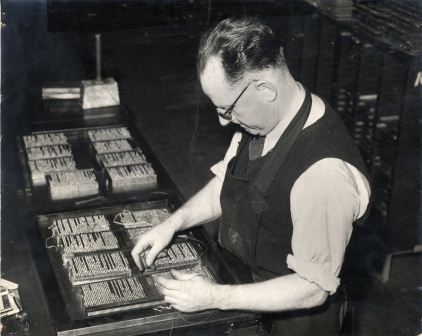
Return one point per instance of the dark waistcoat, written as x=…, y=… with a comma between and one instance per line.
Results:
x=256, y=223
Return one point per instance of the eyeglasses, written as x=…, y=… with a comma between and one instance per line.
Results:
x=227, y=115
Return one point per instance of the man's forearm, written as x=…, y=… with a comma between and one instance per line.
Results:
x=289, y=292
x=203, y=207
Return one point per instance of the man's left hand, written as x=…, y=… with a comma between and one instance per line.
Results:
x=189, y=292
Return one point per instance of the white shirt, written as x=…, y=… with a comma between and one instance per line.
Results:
x=325, y=200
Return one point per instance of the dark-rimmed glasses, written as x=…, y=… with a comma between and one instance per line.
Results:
x=227, y=115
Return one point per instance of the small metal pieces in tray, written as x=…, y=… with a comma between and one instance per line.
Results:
x=92, y=260
x=112, y=292
x=126, y=168
x=131, y=178
x=48, y=152
x=141, y=218
x=100, y=266
x=76, y=225
x=87, y=242
x=197, y=270
x=178, y=254
x=112, y=146
x=132, y=235
x=73, y=184
x=45, y=139
x=73, y=165
x=121, y=158
x=105, y=134
x=39, y=169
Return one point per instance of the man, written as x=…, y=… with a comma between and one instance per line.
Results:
x=288, y=190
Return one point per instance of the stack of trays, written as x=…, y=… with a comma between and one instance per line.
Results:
x=51, y=162
x=89, y=249
x=40, y=168
x=125, y=165
x=73, y=184
x=47, y=152
x=79, y=235
x=131, y=178
x=120, y=165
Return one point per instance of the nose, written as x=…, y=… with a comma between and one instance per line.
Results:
x=223, y=122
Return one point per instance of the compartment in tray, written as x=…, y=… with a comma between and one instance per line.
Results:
x=121, y=158
x=72, y=184
x=98, y=266
x=142, y=218
x=48, y=152
x=110, y=133
x=130, y=178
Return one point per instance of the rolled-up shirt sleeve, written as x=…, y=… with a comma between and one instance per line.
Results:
x=324, y=201
x=219, y=169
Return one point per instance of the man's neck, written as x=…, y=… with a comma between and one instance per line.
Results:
x=288, y=109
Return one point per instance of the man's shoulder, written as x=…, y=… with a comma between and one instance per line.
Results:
x=326, y=167
x=317, y=110
x=333, y=173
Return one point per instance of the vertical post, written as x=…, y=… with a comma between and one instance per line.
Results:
x=98, y=55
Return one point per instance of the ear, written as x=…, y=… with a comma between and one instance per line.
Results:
x=267, y=90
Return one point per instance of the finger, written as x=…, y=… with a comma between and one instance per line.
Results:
x=169, y=283
x=151, y=255
x=177, y=307
x=172, y=300
x=142, y=256
x=174, y=293
x=162, y=254
x=183, y=276
x=138, y=259
x=141, y=245
x=137, y=253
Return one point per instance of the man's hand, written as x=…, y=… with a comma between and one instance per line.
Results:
x=190, y=292
x=201, y=208
x=151, y=243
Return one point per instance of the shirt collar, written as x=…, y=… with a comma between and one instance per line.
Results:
x=272, y=137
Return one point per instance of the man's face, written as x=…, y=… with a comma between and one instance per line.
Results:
x=251, y=112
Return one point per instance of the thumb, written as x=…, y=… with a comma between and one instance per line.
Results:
x=151, y=255
x=183, y=276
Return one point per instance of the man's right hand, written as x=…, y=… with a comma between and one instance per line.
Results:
x=151, y=243
x=201, y=208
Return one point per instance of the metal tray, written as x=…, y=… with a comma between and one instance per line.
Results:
x=150, y=315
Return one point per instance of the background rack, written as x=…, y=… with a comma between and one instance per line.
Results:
x=373, y=79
